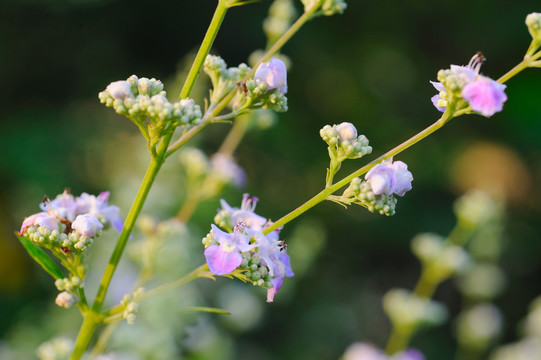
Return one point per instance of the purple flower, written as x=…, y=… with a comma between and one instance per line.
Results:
x=40, y=219
x=381, y=178
x=436, y=99
x=87, y=225
x=403, y=178
x=389, y=178
x=485, y=96
x=63, y=206
x=224, y=258
x=227, y=169
x=246, y=213
x=98, y=207
x=273, y=255
x=274, y=74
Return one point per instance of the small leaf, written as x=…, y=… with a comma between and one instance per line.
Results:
x=207, y=309
x=41, y=258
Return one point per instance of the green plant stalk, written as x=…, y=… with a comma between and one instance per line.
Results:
x=200, y=272
x=92, y=318
x=204, y=49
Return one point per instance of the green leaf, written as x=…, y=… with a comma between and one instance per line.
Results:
x=41, y=258
x=207, y=309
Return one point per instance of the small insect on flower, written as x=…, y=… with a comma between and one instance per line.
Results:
x=242, y=87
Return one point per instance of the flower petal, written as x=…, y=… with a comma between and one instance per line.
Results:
x=222, y=262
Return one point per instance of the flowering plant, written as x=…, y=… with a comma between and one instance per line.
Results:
x=241, y=243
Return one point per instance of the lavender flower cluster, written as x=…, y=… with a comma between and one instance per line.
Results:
x=484, y=95
x=244, y=250
x=70, y=223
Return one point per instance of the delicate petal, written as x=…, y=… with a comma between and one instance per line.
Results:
x=485, y=96
x=222, y=262
x=270, y=294
x=274, y=74
x=63, y=206
x=435, y=100
x=403, y=178
x=225, y=168
x=438, y=86
x=40, y=219
x=381, y=179
x=87, y=225
x=284, y=258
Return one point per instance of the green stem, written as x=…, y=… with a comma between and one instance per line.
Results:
x=201, y=271
x=332, y=189
x=234, y=137
x=91, y=320
x=398, y=340
x=519, y=67
x=204, y=49
x=135, y=209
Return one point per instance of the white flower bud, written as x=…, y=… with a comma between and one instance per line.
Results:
x=87, y=225
x=346, y=131
x=120, y=90
x=273, y=74
x=65, y=299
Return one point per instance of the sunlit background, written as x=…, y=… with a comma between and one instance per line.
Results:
x=370, y=66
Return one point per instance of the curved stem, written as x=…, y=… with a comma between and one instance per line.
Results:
x=332, y=189
x=201, y=271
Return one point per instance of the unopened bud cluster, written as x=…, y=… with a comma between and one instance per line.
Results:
x=142, y=98
x=439, y=258
x=131, y=305
x=533, y=22
x=359, y=192
x=66, y=284
x=407, y=310
x=343, y=141
x=223, y=79
x=281, y=15
x=328, y=7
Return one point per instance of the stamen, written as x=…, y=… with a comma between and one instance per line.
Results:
x=476, y=61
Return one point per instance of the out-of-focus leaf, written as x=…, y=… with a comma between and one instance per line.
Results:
x=41, y=258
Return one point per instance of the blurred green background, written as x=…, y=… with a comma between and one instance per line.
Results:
x=369, y=66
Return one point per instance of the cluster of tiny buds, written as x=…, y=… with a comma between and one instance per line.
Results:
x=223, y=79
x=405, y=309
x=131, y=305
x=144, y=97
x=328, y=7
x=68, y=284
x=360, y=192
x=344, y=142
x=255, y=272
x=73, y=241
